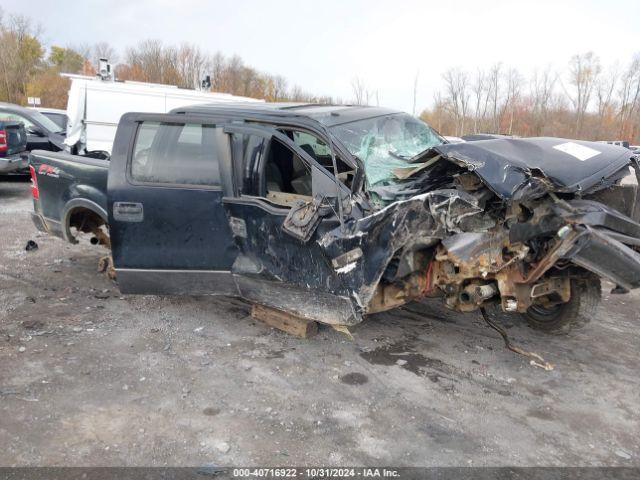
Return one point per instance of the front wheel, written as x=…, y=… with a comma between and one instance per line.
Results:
x=574, y=314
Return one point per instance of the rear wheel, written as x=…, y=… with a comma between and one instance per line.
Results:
x=574, y=314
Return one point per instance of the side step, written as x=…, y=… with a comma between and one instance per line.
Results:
x=291, y=324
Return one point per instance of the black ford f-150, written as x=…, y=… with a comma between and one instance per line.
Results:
x=334, y=212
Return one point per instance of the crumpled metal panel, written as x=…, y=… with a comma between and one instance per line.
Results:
x=508, y=165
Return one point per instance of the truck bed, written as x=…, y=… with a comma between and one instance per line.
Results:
x=65, y=184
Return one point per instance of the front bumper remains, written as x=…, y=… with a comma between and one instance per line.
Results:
x=598, y=252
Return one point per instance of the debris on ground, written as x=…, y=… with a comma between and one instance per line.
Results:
x=536, y=360
x=32, y=324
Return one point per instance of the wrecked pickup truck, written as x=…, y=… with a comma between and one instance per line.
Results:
x=331, y=213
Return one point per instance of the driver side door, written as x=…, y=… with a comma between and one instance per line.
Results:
x=281, y=206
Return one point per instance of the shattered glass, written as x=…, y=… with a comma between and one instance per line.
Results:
x=386, y=143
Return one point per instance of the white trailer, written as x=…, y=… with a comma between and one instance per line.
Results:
x=95, y=106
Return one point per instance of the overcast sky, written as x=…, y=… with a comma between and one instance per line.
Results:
x=323, y=45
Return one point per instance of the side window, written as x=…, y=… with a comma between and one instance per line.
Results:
x=171, y=153
x=317, y=149
x=287, y=176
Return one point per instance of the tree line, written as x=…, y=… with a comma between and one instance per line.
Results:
x=586, y=100
x=28, y=69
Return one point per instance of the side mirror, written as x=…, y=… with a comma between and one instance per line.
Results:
x=33, y=130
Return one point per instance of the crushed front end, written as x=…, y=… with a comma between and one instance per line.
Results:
x=517, y=222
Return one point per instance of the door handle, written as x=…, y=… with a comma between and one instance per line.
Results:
x=128, y=212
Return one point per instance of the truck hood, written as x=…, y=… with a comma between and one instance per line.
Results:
x=511, y=167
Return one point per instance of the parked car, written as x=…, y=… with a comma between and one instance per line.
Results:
x=13, y=147
x=57, y=116
x=334, y=212
x=42, y=133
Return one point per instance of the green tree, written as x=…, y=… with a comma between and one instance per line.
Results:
x=20, y=57
x=65, y=59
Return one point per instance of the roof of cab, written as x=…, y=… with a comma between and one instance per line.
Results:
x=328, y=115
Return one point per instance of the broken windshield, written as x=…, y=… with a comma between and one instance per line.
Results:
x=386, y=143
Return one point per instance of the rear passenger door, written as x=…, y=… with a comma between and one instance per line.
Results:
x=169, y=231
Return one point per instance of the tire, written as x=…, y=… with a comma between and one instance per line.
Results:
x=574, y=314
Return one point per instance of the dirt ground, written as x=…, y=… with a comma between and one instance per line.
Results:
x=91, y=377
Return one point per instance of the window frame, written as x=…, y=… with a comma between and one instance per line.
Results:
x=172, y=119
x=337, y=152
x=271, y=131
x=260, y=170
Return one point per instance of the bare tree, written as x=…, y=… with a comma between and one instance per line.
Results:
x=147, y=61
x=456, y=87
x=494, y=93
x=103, y=50
x=584, y=70
x=279, y=88
x=605, y=89
x=514, y=83
x=233, y=75
x=190, y=64
x=542, y=87
x=216, y=66
x=440, y=106
x=360, y=92
x=479, y=89
x=629, y=95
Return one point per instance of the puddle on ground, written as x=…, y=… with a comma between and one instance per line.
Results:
x=404, y=356
x=354, y=378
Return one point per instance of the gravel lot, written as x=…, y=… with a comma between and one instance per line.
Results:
x=91, y=377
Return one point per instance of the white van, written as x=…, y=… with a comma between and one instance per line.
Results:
x=96, y=105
